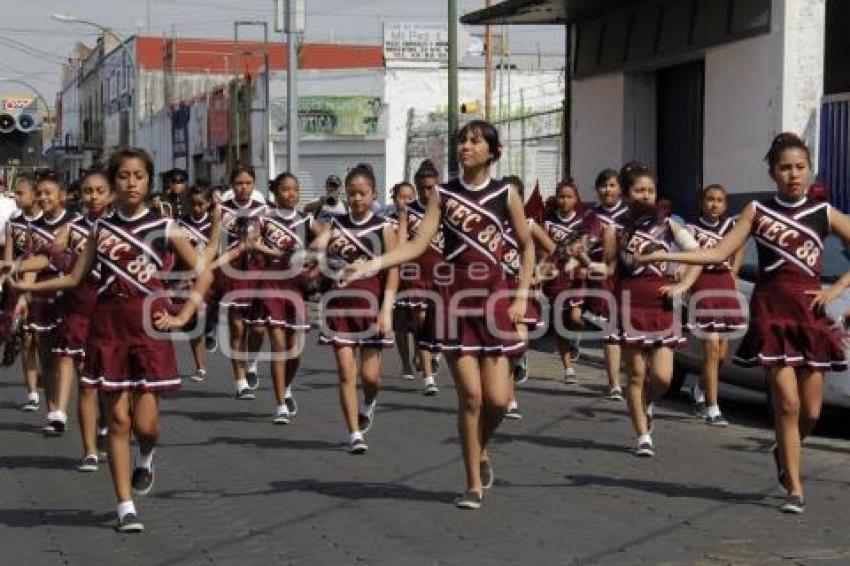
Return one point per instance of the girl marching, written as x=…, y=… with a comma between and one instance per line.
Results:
x=789, y=333
x=648, y=328
x=279, y=310
x=15, y=249
x=609, y=211
x=472, y=211
x=128, y=364
x=566, y=226
x=358, y=319
x=44, y=312
x=198, y=224
x=235, y=282
x=716, y=310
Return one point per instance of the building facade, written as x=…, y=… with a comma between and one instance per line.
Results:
x=695, y=88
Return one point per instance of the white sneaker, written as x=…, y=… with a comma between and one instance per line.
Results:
x=281, y=417
x=431, y=388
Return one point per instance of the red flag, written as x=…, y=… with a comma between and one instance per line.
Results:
x=534, y=205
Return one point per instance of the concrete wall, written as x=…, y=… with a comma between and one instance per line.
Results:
x=802, y=77
x=597, y=128
x=743, y=99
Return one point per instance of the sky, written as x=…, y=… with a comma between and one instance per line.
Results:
x=34, y=45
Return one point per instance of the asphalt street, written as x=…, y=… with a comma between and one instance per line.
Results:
x=232, y=488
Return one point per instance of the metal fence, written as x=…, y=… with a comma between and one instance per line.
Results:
x=835, y=149
x=533, y=148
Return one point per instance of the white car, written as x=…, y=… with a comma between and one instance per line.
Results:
x=836, y=391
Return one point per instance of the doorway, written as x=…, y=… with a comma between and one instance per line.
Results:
x=680, y=96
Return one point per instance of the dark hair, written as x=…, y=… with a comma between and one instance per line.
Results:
x=487, y=131
x=426, y=169
x=604, y=176
x=239, y=169
x=278, y=181
x=714, y=187
x=516, y=182
x=175, y=175
x=399, y=186
x=569, y=183
x=47, y=174
x=783, y=141
x=361, y=170
x=119, y=157
x=202, y=190
x=26, y=178
x=94, y=170
x=632, y=171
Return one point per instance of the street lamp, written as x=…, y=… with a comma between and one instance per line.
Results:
x=108, y=31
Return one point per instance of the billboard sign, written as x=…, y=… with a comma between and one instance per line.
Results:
x=416, y=42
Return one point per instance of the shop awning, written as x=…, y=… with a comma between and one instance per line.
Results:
x=543, y=11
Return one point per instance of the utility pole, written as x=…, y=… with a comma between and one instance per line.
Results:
x=453, y=80
x=292, y=25
x=488, y=69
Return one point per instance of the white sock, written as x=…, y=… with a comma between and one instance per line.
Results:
x=144, y=460
x=202, y=371
x=102, y=431
x=253, y=367
x=32, y=396
x=570, y=372
x=429, y=379
x=699, y=394
x=356, y=435
x=241, y=384
x=513, y=405
x=288, y=393
x=713, y=411
x=282, y=410
x=645, y=439
x=126, y=507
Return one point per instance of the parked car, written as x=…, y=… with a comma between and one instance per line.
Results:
x=836, y=384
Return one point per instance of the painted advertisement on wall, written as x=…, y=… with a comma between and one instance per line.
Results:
x=332, y=116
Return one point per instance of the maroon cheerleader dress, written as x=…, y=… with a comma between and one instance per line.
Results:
x=45, y=313
x=715, y=308
x=18, y=227
x=512, y=265
x=419, y=279
x=350, y=314
x=77, y=304
x=784, y=330
x=234, y=282
x=473, y=318
x=646, y=318
x=123, y=351
x=280, y=302
x=598, y=303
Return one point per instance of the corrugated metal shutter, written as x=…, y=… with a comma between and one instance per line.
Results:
x=547, y=166
x=835, y=149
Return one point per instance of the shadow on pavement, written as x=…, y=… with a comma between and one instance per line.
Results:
x=29, y=518
x=560, y=442
x=670, y=489
x=362, y=490
x=41, y=462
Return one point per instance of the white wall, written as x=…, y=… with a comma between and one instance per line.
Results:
x=802, y=77
x=743, y=98
x=597, y=128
